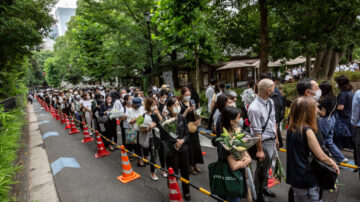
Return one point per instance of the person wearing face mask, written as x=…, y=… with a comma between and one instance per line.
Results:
x=87, y=111
x=326, y=123
x=125, y=125
x=262, y=119
x=180, y=145
x=133, y=114
x=152, y=119
x=230, y=121
x=110, y=125
x=162, y=101
x=188, y=110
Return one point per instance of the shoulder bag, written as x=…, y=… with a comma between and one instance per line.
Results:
x=224, y=181
x=325, y=174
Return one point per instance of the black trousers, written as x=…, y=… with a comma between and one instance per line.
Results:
x=110, y=132
x=152, y=152
x=180, y=160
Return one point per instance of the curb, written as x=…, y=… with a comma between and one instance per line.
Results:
x=41, y=181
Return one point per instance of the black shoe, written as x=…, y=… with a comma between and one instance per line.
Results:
x=262, y=198
x=187, y=197
x=268, y=192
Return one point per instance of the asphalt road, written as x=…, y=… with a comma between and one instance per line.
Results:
x=95, y=180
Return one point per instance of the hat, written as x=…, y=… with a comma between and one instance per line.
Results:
x=136, y=101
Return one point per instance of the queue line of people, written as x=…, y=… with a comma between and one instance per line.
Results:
x=316, y=113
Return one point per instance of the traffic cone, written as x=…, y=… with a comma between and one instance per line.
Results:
x=100, y=146
x=174, y=191
x=118, y=128
x=52, y=111
x=46, y=107
x=128, y=174
x=271, y=180
x=73, y=128
x=57, y=115
x=87, y=137
x=63, y=118
x=67, y=123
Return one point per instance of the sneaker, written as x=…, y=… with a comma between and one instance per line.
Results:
x=155, y=178
x=345, y=160
x=165, y=175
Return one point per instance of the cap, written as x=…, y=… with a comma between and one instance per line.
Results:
x=136, y=101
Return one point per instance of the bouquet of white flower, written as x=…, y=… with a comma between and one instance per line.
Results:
x=237, y=143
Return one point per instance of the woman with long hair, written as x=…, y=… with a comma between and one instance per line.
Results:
x=110, y=125
x=300, y=142
x=230, y=121
x=180, y=145
x=188, y=110
x=327, y=106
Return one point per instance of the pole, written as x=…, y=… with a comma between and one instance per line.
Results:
x=151, y=52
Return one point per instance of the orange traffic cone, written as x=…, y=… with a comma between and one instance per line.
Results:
x=62, y=118
x=67, y=123
x=100, y=146
x=73, y=128
x=128, y=174
x=87, y=137
x=46, y=107
x=174, y=191
x=57, y=115
x=52, y=111
x=271, y=180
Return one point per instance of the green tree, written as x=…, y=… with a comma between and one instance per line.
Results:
x=53, y=74
x=183, y=27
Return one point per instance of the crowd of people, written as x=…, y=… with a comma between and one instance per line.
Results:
x=319, y=121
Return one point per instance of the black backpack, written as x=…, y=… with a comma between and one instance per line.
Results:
x=279, y=107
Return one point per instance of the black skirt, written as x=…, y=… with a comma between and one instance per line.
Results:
x=195, y=153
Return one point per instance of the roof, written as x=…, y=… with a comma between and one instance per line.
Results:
x=255, y=63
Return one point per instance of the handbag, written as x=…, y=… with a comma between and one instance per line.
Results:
x=144, y=139
x=224, y=181
x=131, y=136
x=341, y=129
x=252, y=150
x=325, y=174
x=102, y=119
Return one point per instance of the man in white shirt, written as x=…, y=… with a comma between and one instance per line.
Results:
x=210, y=93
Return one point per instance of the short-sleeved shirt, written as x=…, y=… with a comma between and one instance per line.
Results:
x=329, y=105
x=345, y=98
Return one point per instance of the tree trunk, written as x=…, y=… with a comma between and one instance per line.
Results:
x=197, y=70
x=325, y=65
x=263, y=36
x=318, y=62
x=308, y=61
x=335, y=62
x=175, y=70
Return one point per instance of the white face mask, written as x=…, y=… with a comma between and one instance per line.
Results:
x=163, y=99
x=317, y=95
x=177, y=109
x=130, y=102
x=153, y=108
x=187, y=98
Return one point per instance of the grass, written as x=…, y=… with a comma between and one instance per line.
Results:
x=10, y=134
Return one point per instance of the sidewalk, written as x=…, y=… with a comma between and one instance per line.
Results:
x=41, y=181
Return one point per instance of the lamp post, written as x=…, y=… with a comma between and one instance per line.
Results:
x=147, y=20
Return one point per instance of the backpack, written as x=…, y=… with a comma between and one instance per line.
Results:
x=279, y=107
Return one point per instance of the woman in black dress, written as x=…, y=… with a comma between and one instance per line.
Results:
x=188, y=110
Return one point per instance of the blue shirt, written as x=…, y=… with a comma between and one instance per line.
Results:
x=355, y=115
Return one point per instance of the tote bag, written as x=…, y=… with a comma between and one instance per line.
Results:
x=131, y=136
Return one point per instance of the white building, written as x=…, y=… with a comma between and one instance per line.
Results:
x=62, y=12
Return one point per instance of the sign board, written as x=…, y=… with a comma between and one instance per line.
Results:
x=168, y=79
